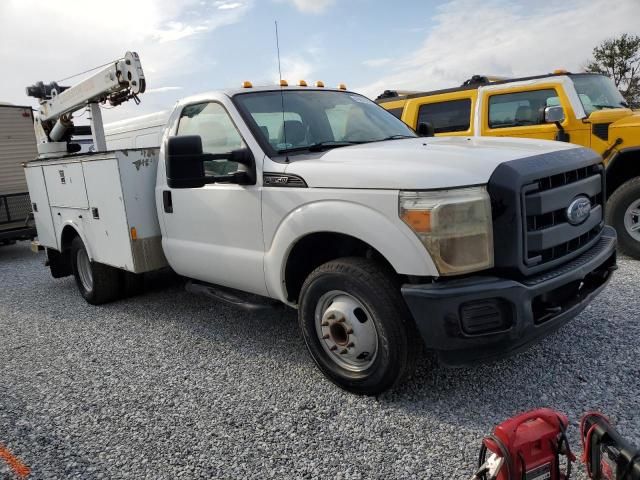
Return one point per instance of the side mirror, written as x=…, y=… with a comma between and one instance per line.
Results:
x=554, y=114
x=185, y=162
x=425, y=129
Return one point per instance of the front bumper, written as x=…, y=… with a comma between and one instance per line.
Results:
x=484, y=318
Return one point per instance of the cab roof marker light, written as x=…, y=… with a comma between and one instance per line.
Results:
x=559, y=71
x=342, y=86
x=284, y=83
x=302, y=83
x=320, y=84
x=247, y=84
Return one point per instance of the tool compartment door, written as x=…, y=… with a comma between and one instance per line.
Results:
x=40, y=206
x=65, y=185
x=105, y=224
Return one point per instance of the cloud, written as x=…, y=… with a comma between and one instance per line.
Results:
x=376, y=62
x=296, y=68
x=227, y=5
x=500, y=37
x=162, y=89
x=310, y=6
x=64, y=37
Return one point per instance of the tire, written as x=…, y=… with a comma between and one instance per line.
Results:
x=98, y=283
x=131, y=284
x=623, y=213
x=360, y=298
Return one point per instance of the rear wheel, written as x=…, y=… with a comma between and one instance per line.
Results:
x=98, y=283
x=623, y=213
x=357, y=326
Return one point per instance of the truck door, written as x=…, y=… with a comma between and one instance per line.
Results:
x=519, y=112
x=449, y=114
x=214, y=233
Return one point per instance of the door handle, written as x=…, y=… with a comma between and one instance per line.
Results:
x=167, y=201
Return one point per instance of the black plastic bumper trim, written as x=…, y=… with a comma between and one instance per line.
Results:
x=435, y=307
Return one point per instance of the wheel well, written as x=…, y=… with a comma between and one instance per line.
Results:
x=624, y=166
x=68, y=234
x=315, y=249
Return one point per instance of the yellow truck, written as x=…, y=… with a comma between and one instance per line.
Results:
x=582, y=108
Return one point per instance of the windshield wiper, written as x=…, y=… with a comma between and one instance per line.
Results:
x=396, y=137
x=320, y=146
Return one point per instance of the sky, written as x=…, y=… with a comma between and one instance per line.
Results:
x=191, y=46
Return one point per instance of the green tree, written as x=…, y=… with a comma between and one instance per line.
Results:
x=619, y=59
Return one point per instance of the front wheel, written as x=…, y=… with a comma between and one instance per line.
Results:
x=357, y=327
x=623, y=213
x=98, y=283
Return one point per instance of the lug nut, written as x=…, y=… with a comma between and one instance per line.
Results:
x=349, y=331
x=324, y=337
x=325, y=324
x=341, y=320
x=343, y=351
x=333, y=348
x=350, y=345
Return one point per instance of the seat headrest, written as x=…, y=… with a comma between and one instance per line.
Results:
x=294, y=132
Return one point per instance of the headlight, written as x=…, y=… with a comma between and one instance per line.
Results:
x=454, y=226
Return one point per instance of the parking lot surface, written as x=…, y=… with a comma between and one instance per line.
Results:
x=172, y=385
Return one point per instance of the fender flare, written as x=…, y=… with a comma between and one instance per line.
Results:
x=393, y=240
x=79, y=232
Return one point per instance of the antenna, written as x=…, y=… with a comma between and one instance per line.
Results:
x=284, y=130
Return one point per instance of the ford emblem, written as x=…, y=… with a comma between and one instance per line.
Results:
x=578, y=211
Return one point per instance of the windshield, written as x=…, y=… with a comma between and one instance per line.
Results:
x=597, y=92
x=299, y=120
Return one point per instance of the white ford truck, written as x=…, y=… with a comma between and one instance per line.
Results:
x=317, y=198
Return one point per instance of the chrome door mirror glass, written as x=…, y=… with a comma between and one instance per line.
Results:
x=553, y=114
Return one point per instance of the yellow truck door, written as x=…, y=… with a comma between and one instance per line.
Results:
x=449, y=113
x=519, y=112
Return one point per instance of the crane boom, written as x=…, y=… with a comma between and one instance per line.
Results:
x=116, y=83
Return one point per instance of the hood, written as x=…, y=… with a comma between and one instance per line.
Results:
x=631, y=120
x=416, y=163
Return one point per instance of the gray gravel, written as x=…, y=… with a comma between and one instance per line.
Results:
x=170, y=385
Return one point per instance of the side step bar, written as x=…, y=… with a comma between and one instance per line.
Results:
x=237, y=298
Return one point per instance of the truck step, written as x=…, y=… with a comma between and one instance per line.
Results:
x=237, y=298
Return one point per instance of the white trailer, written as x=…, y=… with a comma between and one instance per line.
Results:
x=17, y=145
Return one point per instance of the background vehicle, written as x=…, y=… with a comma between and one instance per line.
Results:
x=585, y=109
x=17, y=145
x=319, y=199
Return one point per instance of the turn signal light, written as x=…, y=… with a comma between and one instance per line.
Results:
x=247, y=84
x=134, y=233
x=418, y=220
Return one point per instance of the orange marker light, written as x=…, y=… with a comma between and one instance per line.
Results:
x=302, y=83
x=247, y=84
x=284, y=83
x=134, y=233
x=342, y=86
x=320, y=84
x=418, y=220
x=559, y=71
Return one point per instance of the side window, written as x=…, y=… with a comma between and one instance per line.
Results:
x=452, y=116
x=520, y=109
x=219, y=135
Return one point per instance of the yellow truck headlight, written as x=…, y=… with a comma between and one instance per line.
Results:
x=453, y=225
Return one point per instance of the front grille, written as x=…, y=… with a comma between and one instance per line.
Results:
x=548, y=234
x=530, y=198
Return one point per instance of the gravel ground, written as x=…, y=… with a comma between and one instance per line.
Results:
x=171, y=385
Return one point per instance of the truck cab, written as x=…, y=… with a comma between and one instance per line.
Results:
x=585, y=109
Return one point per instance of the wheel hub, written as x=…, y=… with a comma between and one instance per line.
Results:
x=632, y=220
x=346, y=331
